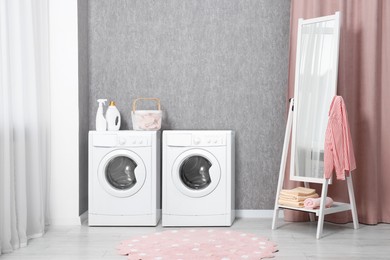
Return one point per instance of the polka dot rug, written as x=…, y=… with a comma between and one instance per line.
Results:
x=192, y=244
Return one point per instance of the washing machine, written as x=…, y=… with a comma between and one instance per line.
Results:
x=124, y=178
x=198, y=178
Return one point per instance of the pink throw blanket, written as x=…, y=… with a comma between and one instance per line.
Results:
x=314, y=203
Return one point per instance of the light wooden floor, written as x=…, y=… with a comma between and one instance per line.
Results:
x=295, y=241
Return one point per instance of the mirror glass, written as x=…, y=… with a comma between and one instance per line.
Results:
x=315, y=87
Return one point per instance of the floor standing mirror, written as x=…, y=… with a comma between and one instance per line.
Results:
x=315, y=85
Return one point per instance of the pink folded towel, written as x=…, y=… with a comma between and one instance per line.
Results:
x=314, y=203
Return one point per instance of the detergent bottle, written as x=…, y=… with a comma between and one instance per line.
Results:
x=113, y=117
x=101, y=124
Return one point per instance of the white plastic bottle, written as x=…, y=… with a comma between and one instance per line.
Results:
x=101, y=124
x=113, y=117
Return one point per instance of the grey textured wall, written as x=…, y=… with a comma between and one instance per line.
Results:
x=214, y=65
x=82, y=13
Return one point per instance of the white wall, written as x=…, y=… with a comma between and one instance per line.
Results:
x=64, y=183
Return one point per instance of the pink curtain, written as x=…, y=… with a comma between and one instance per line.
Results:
x=364, y=83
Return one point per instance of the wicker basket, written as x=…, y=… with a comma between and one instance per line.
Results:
x=146, y=119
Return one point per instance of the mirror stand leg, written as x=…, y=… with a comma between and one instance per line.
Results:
x=321, y=214
x=352, y=202
x=276, y=215
x=312, y=216
x=282, y=169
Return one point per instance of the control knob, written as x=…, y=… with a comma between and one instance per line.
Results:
x=197, y=140
x=122, y=141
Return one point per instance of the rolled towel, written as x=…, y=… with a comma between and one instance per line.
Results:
x=313, y=203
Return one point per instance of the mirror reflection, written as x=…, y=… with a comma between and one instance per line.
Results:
x=315, y=86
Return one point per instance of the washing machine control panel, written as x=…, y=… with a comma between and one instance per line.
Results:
x=208, y=140
x=131, y=141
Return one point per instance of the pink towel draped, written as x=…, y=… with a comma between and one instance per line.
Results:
x=314, y=203
x=338, y=148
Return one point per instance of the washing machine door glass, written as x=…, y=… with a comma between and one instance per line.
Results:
x=120, y=172
x=194, y=172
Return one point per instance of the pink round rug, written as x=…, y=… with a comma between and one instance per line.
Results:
x=197, y=244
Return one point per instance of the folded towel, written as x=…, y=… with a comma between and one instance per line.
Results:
x=293, y=197
x=298, y=191
x=314, y=203
x=296, y=204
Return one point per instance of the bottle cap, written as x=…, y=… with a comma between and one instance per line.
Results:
x=101, y=101
x=112, y=104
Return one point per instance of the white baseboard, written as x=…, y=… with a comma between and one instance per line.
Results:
x=76, y=221
x=84, y=217
x=240, y=213
x=64, y=221
x=257, y=213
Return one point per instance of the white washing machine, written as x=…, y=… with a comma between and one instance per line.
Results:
x=124, y=178
x=198, y=178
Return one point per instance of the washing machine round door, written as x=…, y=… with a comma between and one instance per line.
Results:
x=196, y=173
x=122, y=173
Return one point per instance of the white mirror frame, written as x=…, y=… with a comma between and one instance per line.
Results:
x=332, y=86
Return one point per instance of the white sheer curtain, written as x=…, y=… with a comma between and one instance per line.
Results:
x=24, y=121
